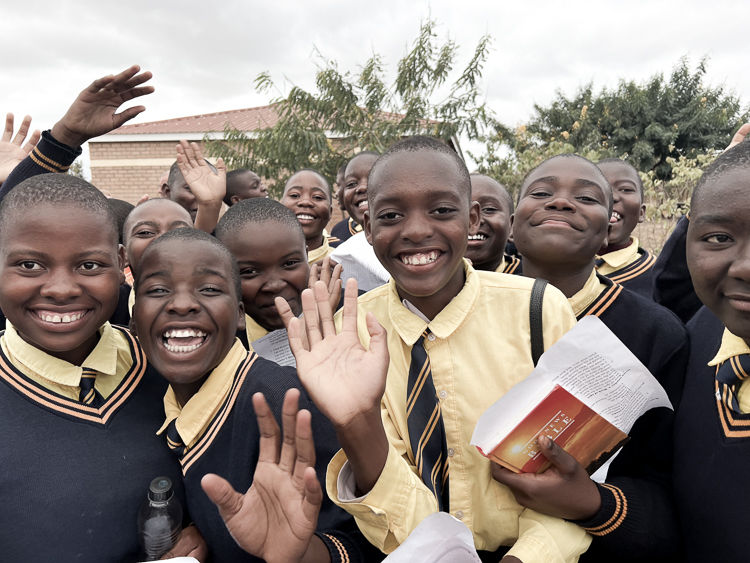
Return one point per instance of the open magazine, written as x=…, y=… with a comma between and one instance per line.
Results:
x=585, y=394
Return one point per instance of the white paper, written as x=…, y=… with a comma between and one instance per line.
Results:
x=439, y=538
x=274, y=346
x=358, y=260
x=589, y=362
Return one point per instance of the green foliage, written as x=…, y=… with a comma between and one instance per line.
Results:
x=76, y=169
x=350, y=112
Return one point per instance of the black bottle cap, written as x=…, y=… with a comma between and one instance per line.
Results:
x=160, y=489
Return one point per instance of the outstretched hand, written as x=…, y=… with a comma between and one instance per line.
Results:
x=329, y=276
x=12, y=152
x=208, y=187
x=345, y=381
x=565, y=490
x=739, y=136
x=93, y=112
x=276, y=519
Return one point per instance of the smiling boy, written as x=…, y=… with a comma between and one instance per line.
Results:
x=622, y=260
x=243, y=184
x=354, y=195
x=486, y=249
x=711, y=426
x=80, y=407
x=472, y=330
x=187, y=313
x=562, y=219
x=308, y=195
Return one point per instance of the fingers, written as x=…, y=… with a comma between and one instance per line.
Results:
x=8, y=131
x=32, y=142
x=22, y=131
x=313, y=496
x=221, y=493
x=506, y=477
x=565, y=463
x=221, y=168
x=305, y=446
x=269, y=431
x=285, y=311
x=350, y=306
x=378, y=338
x=289, y=422
x=310, y=310
x=121, y=118
x=325, y=271
x=198, y=154
x=739, y=136
x=324, y=309
x=313, y=276
x=143, y=199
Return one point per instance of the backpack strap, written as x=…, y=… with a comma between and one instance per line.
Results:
x=535, y=319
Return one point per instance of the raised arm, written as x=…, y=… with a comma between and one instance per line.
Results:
x=12, y=152
x=208, y=187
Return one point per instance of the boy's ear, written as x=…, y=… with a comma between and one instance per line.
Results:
x=367, y=227
x=606, y=239
x=510, y=231
x=241, y=319
x=166, y=191
x=122, y=260
x=235, y=199
x=475, y=217
x=642, y=213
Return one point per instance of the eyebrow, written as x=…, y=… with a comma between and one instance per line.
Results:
x=434, y=194
x=714, y=219
x=203, y=271
x=158, y=273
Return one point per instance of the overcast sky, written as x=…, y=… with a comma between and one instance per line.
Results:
x=206, y=55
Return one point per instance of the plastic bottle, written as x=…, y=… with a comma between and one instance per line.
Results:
x=159, y=520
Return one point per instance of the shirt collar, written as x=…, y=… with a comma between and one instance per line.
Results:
x=731, y=345
x=103, y=358
x=501, y=268
x=621, y=257
x=193, y=419
x=586, y=296
x=253, y=330
x=411, y=325
x=320, y=252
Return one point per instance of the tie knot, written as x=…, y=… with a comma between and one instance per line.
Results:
x=89, y=395
x=599, y=262
x=174, y=440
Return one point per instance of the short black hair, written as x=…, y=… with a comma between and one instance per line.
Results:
x=176, y=177
x=256, y=210
x=608, y=189
x=503, y=190
x=57, y=190
x=736, y=158
x=342, y=169
x=125, y=231
x=234, y=183
x=317, y=173
x=188, y=237
x=625, y=163
x=121, y=209
x=420, y=143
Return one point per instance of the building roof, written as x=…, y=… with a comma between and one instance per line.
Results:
x=249, y=119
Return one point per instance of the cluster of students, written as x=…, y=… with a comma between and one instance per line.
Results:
x=106, y=384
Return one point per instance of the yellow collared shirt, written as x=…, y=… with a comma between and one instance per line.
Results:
x=131, y=301
x=480, y=349
x=321, y=252
x=618, y=259
x=732, y=345
x=111, y=358
x=253, y=331
x=589, y=292
x=193, y=418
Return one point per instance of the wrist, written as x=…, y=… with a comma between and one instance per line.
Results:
x=366, y=446
x=317, y=551
x=62, y=134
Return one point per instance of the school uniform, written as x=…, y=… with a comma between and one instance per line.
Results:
x=477, y=348
x=217, y=432
x=637, y=519
x=631, y=267
x=712, y=447
x=510, y=265
x=252, y=332
x=343, y=231
x=322, y=251
x=73, y=476
x=673, y=287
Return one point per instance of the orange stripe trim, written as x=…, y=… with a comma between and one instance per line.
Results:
x=340, y=547
x=603, y=302
x=629, y=274
x=40, y=163
x=48, y=160
x=207, y=439
x=418, y=385
x=621, y=510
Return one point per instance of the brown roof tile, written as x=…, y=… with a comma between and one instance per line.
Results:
x=249, y=119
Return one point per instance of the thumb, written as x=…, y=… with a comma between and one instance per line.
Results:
x=378, y=336
x=313, y=495
x=221, y=168
x=221, y=493
x=559, y=458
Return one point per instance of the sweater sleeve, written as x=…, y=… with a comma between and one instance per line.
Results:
x=673, y=287
x=48, y=156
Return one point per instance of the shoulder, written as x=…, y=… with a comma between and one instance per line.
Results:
x=495, y=285
x=650, y=312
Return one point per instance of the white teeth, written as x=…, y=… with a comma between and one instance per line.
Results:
x=64, y=318
x=306, y=217
x=419, y=259
x=616, y=215
x=478, y=237
x=362, y=203
x=187, y=333
x=182, y=349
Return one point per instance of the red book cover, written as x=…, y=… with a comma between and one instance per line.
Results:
x=576, y=428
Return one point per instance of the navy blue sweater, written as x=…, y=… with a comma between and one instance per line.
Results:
x=230, y=447
x=638, y=276
x=711, y=461
x=73, y=479
x=343, y=230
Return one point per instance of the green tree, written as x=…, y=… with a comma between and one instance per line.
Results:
x=354, y=111
x=77, y=170
x=648, y=123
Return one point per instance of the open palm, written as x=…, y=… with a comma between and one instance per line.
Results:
x=276, y=519
x=11, y=151
x=207, y=186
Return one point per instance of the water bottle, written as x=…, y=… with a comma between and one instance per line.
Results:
x=159, y=520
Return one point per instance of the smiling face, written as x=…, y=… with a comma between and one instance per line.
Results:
x=629, y=209
x=273, y=263
x=355, y=185
x=186, y=313
x=60, y=274
x=718, y=249
x=486, y=247
x=309, y=198
x=563, y=215
x=149, y=221
x=419, y=221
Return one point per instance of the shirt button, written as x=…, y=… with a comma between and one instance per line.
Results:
x=451, y=451
x=430, y=337
x=459, y=514
x=443, y=394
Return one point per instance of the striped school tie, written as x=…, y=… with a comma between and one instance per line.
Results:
x=426, y=429
x=729, y=375
x=89, y=395
x=174, y=440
